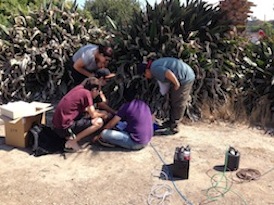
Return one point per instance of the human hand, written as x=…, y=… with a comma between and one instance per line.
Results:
x=105, y=115
x=102, y=96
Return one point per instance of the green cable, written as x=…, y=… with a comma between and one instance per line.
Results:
x=216, y=186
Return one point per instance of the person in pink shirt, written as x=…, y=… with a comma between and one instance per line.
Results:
x=75, y=116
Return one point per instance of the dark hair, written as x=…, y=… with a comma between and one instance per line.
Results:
x=141, y=67
x=133, y=90
x=129, y=93
x=90, y=83
x=105, y=50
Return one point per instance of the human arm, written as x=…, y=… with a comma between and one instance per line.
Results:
x=95, y=113
x=111, y=124
x=105, y=106
x=172, y=78
x=79, y=66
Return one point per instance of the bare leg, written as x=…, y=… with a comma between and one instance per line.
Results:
x=97, y=123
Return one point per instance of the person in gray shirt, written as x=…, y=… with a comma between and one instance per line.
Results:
x=180, y=77
x=88, y=59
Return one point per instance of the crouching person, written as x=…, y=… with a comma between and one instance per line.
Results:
x=139, y=130
x=75, y=116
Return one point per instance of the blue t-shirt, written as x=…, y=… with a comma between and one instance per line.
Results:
x=137, y=114
x=181, y=70
x=87, y=53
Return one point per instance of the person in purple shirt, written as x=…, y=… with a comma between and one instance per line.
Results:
x=139, y=126
x=177, y=77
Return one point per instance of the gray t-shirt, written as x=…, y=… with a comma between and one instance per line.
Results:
x=181, y=70
x=87, y=53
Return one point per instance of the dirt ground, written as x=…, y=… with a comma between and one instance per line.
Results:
x=114, y=176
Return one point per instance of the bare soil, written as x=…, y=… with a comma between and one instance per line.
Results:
x=114, y=176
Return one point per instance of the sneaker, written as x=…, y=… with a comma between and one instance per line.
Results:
x=104, y=143
x=174, y=130
x=71, y=146
x=166, y=131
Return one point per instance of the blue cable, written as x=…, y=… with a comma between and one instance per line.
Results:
x=169, y=175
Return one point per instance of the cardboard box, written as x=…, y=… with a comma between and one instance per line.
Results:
x=16, y=129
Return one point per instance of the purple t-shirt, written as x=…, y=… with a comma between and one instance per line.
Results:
x=137, y=114
x=71, y=105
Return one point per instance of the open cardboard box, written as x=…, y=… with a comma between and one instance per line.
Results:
x=19, y=117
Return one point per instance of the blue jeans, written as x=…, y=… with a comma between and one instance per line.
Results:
x=121, y=138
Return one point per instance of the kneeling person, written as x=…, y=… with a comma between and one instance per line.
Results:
x=75, y=116
x=139, y=129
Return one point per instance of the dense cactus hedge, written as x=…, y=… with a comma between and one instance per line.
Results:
x=35, y=51
x=234, y=78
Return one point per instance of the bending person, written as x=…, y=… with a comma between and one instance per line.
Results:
x=179, y=77
x=88, y=59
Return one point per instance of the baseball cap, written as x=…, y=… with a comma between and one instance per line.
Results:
x=104, y=73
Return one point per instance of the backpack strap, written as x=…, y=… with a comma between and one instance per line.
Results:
x=35, y=132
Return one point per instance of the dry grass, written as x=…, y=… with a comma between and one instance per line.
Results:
x=261, y=114
x=235, y=111
x=229, y=111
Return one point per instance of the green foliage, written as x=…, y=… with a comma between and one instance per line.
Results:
x=120, y=11
x=229, y=70
x=268, y=29
x=259, y=72
x=256, y=25
x=190, y=32
x=11, y=7
x=36, y=50
x=224, y=63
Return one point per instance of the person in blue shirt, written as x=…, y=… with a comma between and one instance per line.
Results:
x=179, y=77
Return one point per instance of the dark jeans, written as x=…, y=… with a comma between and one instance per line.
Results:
x=77, y=77
x=77, y=127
